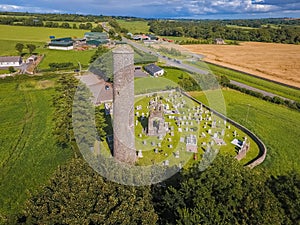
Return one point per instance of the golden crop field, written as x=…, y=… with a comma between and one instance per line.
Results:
x=279, y=62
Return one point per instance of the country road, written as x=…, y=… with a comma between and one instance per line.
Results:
x=193, y=69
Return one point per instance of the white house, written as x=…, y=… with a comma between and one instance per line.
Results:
x=154, y=70
x=7, y=61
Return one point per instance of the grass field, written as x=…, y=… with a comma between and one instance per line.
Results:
x=279, y=62
x=151, y=84
x=39, y=36
x=28, y=153
x=268, y=86
x=277, y=126
x=135, y=27
x=36, y=34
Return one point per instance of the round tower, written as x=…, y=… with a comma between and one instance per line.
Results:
x=123, y=104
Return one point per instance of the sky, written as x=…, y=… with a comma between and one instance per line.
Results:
x=196, y=9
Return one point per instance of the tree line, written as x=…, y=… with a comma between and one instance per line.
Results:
x=224, y=193
x=210, y=30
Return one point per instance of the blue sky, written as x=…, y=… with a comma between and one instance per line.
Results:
x=211, y=9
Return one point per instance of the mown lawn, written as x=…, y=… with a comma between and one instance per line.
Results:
x=28, y=152
x=36, y=34
x=152, y=84
x=134, y=27
x=276, y=125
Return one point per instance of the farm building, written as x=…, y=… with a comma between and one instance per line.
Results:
x=140, y=37
x=31, y=59
x=219, y=41
x=154, y=70
x=7, y=61
x=61, y=44
x=96, y=38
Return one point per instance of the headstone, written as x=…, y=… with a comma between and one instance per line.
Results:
x=215, y=135
x=136, y=122
x=159, y=145
x=172, y=134
x=228, y=127
x=169, y=139
x=234, y=133
x=137, y=114
x=223, y=132
x=182, y=139
x=186, y=129
x=156, y=150
x=153, y=143
x=167, y=163
x=203, y=143
x=140, y=154
x=144, y=142
x=213, y=124
x=170, y=146
x=179, y=129
x=140, y=135
x=177, y=154
x=209, y=131
x=203, y=135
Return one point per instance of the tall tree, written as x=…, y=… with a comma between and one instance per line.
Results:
x=31, y=48
x=225, y=193
x=19, y=47
x=78, y=195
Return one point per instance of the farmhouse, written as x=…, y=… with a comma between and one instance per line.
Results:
x=154, y=70
x=7, y=61
x=61, y=44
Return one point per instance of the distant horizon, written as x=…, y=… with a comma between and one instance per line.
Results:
x=162, y=9
x=152, y=18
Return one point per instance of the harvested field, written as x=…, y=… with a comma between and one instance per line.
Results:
x=278, y=62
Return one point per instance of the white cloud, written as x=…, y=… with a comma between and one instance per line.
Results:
x=154, y=8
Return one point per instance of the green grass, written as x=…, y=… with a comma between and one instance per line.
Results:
x=268, y=86
x=134, y=26
x=175, y=75
x=28, y=153
x=276, y=125
x=168, y=153
x=65, y=56
x=241, y=27
x=151, y=84
x=36, y=34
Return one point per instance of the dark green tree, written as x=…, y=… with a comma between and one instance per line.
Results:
x=19, y=47
x=225, y=193
x=31, y=48
x=78, y=195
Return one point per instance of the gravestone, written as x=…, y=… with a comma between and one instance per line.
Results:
x=140, y=154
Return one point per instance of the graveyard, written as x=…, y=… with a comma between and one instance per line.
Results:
x=172, y=129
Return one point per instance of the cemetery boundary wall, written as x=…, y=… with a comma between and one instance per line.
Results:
x=262, y=148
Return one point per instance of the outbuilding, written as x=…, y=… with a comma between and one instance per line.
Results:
x=154, y=70
x=7, y=61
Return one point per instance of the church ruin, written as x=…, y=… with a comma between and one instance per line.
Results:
x=156, y=120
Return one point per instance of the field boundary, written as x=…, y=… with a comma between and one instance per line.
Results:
x=252, y=75
x=262, y=148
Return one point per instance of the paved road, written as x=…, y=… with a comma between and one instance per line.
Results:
x=190, y=68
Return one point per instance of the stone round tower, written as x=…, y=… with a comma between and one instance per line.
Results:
x=123, y=104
